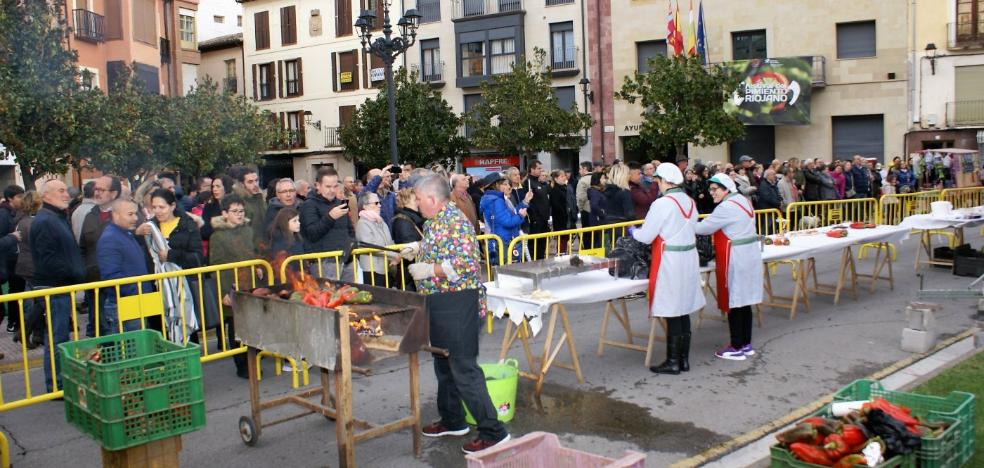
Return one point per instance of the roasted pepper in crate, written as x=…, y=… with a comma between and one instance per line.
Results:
x=360, y=297
x=854, y=435
x=849, y=461
x=825, y=426
x=803, y=432
x=811, y=454
x=835, y=446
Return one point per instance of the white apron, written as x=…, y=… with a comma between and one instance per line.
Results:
x=669, y=227
x=737, y=251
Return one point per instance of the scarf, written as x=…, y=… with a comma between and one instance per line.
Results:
x=370, y=215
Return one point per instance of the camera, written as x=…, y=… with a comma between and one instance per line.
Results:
x=395, y=170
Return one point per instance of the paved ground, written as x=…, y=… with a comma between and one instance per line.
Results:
x=620, y=406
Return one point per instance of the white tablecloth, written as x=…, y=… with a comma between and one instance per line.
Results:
x=801, y=247
x=590, y=287
x=928, y=221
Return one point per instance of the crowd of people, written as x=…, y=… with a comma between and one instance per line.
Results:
x=53, y=236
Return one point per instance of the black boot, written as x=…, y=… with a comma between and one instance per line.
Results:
x=672, y=363
x=684, y=352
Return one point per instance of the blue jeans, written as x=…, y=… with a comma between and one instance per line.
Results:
x=60, y=315
x=109, y=318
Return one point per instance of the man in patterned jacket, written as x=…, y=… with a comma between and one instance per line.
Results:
x=447, y=270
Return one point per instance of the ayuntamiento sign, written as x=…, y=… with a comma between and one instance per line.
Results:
x=775, y=91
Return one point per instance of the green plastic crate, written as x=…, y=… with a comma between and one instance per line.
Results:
x=957, y=405
x=143, y=388
x=782, y=458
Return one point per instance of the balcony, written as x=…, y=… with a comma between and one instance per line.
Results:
x=433, y=75
x=292, y=139
x=559, y=2
x=566, y=64
x=229, y=85
x=89, y=26
x=332, y=138
x=965, y=35
x=965, y=113
x=467, y=9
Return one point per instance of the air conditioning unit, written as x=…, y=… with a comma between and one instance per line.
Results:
x=932, y=120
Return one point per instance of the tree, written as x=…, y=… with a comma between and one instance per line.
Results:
x=683, y=103
x=38, y=88
x=519, y=113
x=427, y=128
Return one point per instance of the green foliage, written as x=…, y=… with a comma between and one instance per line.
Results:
x=683, y=103
x=38, y=88
x=427, y=128
x=519, y=113
x=964, y=377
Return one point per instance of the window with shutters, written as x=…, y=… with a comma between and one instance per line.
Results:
x=565, y=97
x=186, y=26
x=229, y=82
x=562, y=46
x=748, y=45
x=858, y=134
x=114, y=19
x=288, y=25
x=348, y=71
x=343, y=18
x=430, y=10
x=345, y=114
x=647, y=50
x=856, y=40
x=292, y=78
x=473, y=59
x=145, y=22
x=261, y=25
x=239, y=20
x=265, y=79
x=218, y=19
x=377, y=7
x=294, y=124
x=471, y=100
x=430, y=60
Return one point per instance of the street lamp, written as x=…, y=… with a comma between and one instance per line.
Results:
x=387, y=48
x=931, y=52
x=588, y=98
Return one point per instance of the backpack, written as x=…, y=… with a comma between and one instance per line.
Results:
x=633, y=258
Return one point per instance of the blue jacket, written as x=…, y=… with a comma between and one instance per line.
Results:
x=906, y=178
x=387, y=203
x=120, y=256
x=861, y=183
x=56, y=256
x=499, y=218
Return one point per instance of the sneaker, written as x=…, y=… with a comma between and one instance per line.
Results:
x=438, y=430
x=747, y=350
x=478, y=445
x=731, y=354
x=286, y=367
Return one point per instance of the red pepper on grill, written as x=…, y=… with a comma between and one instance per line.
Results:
x=343, y=294
x=835, y=446
x=811, y=454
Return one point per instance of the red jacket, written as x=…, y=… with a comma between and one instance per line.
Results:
x=642, y=198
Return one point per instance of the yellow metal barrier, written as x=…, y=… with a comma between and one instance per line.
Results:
x=42, y=298
x=806, y=215
x=590, y=241
x=892, y=209
x=967, y=197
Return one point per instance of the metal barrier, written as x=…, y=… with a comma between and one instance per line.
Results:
x=806, y=215
x=892, y=209
x=334, y=259
x=967, y=197
x=590, y=241
x=43, y=298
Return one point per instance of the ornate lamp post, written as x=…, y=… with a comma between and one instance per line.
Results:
x=388, y=47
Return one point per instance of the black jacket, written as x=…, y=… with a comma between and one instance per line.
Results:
x=56, y=256
x=320, y=231
x=407, y=225
x=768, y=196
x=7, y=216
x=209, y=211
x=813, y=182
x=92, y=229
x=559, y=210
x=620, y=207
x=185, y=244
x=539, y=206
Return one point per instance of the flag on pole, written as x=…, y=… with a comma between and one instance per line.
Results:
x=691, y=32
x=672, y=32
x=678, y=45
x=701, y=33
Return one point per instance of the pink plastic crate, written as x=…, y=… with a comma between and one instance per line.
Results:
x=543, y=450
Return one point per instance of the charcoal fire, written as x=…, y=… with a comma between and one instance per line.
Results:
x=372, y=327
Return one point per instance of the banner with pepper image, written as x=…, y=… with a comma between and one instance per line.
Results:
x=775, y=91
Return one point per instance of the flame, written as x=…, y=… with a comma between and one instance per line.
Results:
x=372, y=327
x=319, y=295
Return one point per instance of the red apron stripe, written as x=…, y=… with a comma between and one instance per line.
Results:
x=654, y=268
x=722, y=257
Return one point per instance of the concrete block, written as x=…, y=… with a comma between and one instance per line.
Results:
x=917, y=341
x=920, y=319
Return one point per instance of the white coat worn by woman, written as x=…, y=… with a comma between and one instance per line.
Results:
x=674, y=279
x=738, y=260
